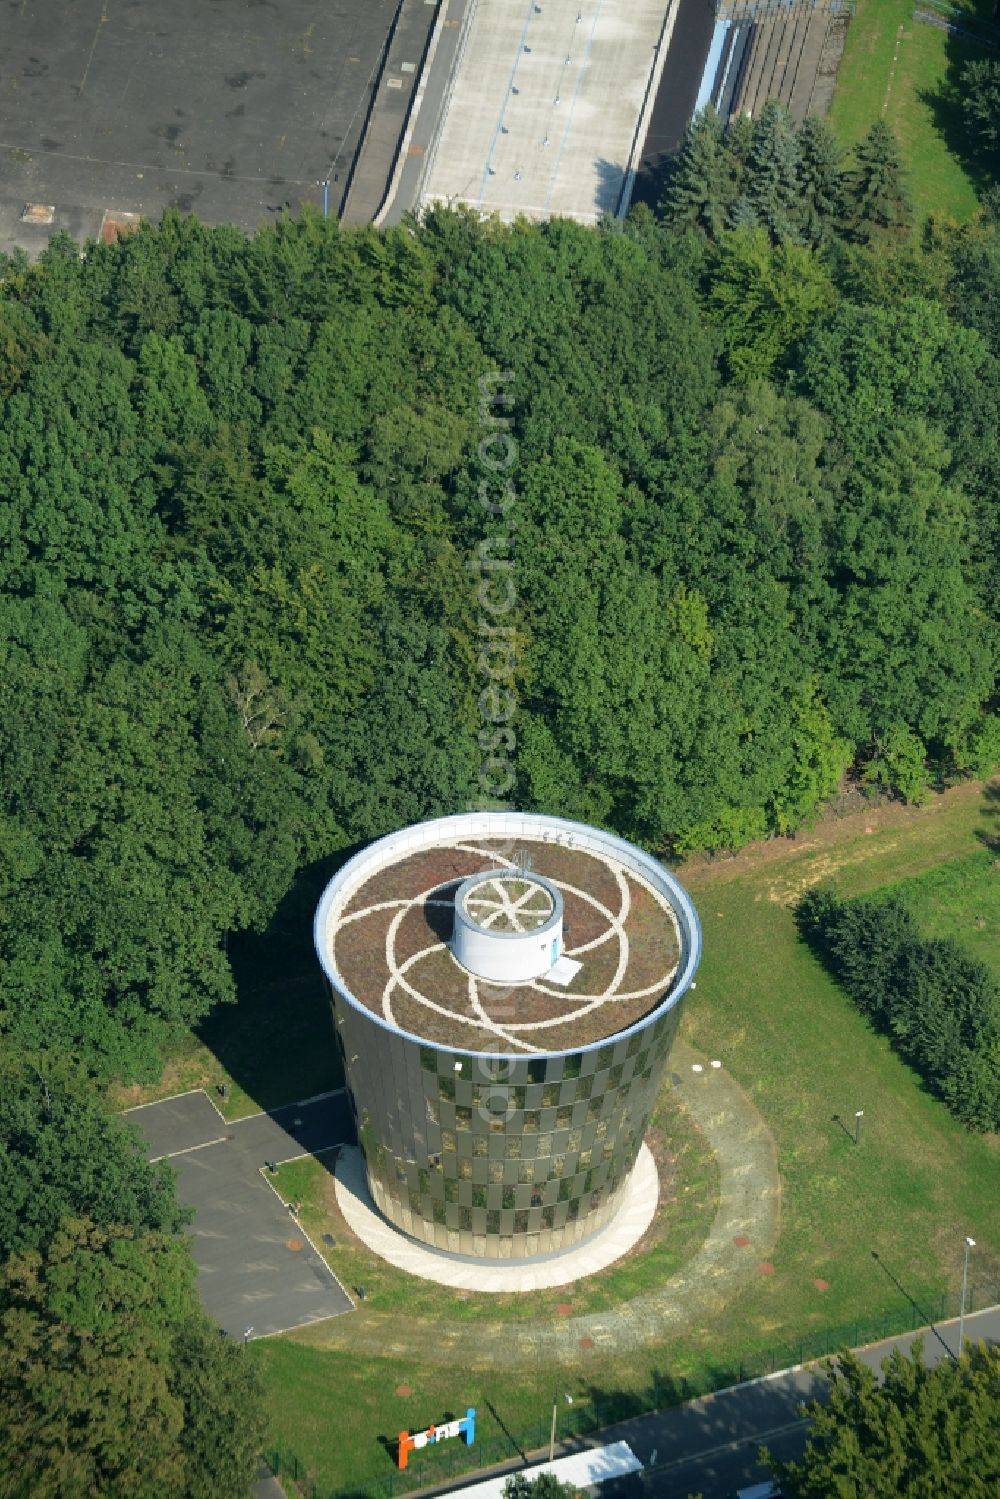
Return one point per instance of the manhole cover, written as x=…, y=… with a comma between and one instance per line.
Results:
x=294, y=1245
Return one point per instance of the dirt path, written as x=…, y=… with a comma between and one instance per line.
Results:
x=833, y=835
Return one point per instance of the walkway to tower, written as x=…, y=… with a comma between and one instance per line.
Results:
x=258, y=1272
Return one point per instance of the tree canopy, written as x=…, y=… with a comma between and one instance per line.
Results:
x=753, y=543
x=111, y=1379
x=62, y=1155
x=920, y=1433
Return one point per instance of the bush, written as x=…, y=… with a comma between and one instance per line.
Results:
x=940, y=1005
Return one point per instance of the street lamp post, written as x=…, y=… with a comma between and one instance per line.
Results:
x=859, y=1114
x=552, y=1434
x=969, y=1244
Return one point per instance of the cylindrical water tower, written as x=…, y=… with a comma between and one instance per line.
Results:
x=505, y=991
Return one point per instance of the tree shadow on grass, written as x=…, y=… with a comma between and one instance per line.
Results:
x=926, y=1319
x=945, y=101
x=990, y=833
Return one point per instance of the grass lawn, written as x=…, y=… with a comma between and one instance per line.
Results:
x=337, y=1418
x=895, y=65
x=908, y=1194
x=960, y=900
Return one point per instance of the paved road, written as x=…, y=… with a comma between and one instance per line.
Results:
x=709, y=1446
x=436, y=81
x=256, y=1268
x=676, y=95
x=396, y=87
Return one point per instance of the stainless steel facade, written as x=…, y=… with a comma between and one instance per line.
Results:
x=503, y=1157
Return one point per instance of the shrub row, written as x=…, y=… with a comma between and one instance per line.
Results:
x=940, y=1005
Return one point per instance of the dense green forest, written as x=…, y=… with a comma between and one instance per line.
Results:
x=670, y=525
x=747, y=529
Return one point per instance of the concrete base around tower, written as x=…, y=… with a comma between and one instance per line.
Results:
x=614, y=1240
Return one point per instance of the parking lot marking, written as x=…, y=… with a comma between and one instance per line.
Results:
x=169, y=1155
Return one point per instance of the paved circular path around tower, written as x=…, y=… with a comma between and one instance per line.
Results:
x=749, y=1210
x=607, y=1245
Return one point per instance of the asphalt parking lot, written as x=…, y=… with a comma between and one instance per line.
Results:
x=256, y=1268
x=229, y=110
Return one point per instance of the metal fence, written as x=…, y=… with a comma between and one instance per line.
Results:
x=440, y=1465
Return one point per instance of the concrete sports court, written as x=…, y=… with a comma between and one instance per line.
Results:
x=228, y=109
x=257, y=1269
x=547, y=106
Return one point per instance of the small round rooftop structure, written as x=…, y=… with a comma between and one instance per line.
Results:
x=505, y=987
x=507, y=926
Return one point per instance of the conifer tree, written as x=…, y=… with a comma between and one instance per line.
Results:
x=743, y=215
x=739, y=139
x=878, y=201
x=920, y=1434
x=771, y=182
x=821, y=181
x=701, y=189
x=980, y=90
